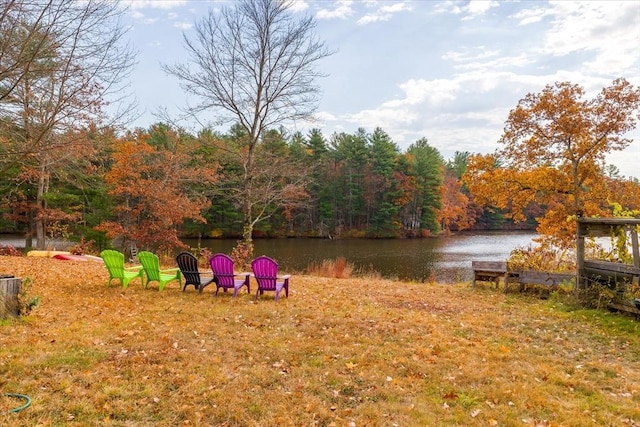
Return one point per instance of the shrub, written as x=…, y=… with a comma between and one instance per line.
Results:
x=544, y=257
x=338, y=268
x=242, y=254
x=9, y=251
x=83, y=247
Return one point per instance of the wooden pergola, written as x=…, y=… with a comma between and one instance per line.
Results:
x=600, y=227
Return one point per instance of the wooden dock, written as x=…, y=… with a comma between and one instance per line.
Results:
x=589, y=271
x=495, y=271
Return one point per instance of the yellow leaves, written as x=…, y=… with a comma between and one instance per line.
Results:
x=455, y=205
x=554, y=144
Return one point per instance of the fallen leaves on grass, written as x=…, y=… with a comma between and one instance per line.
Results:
x=336, y=352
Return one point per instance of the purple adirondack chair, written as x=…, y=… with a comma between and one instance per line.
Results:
x=225, y=277
x=265, y=270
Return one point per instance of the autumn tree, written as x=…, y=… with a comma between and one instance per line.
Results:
x=457, y=212
x=151, y=182
x=454, y=214
x=65, y=61
x=553, y=153
x=78, y=62
x=254, y=64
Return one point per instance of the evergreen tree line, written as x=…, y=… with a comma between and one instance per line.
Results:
x=157, y=185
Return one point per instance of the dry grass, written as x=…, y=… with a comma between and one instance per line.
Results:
x=349, y=352
x=338, y=268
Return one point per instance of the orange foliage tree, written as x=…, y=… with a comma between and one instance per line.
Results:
x=455, y=211
x=553, y=153
x=152, y=186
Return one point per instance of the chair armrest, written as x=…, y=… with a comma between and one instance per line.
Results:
x=200, y=272
x=286, y=276
x=244, y=274
x=134, y=268
x=169, y=270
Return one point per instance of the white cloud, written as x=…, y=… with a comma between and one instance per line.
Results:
x=384, y=13
x=609, y=30
x=496, y=63
x=154, y=4
x=342, y=10
x=478, y=53
x=530, y=16
x=142, y=18
x=373, y=17
x=393, y=117
x=470, y=9
x=299, y=5
x=480, y=7
x=137, y=15
x=434, y=92
x=396, y=7
x=184, y=26
x=325, y=116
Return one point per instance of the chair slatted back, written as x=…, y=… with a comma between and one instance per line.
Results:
x=151, y=265
x=114, y=261
x=188, y=265
x=222, y=267
x=265, y=271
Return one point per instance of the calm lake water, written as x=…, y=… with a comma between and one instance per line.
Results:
x=447, y=259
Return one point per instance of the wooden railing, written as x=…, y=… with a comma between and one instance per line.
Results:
x=598, y=270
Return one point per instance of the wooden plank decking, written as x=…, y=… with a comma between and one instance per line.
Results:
x=493, y=271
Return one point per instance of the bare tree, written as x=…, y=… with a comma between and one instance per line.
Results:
x=62, y=62
x=21, y=20
x=253, y=64
x=76, y=62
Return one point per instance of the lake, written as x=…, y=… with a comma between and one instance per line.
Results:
x=447, y=259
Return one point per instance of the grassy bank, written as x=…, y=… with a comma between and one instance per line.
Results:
x=341, y=352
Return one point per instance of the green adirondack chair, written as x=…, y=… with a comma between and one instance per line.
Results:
x=151, y=265
x=114, y=261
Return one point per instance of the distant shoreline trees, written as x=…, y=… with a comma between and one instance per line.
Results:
x=156, y=186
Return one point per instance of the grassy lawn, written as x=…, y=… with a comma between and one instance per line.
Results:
x=337, y=352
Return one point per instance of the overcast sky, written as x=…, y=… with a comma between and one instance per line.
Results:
x=448, y=71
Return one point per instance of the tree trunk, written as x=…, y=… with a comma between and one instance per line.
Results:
x=40, y=220
x=247, y=220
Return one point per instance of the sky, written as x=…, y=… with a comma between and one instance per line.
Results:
x=447, y=71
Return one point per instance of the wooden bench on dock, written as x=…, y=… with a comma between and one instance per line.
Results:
x=493, y=271
x=545, y=278
x=488, y=271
